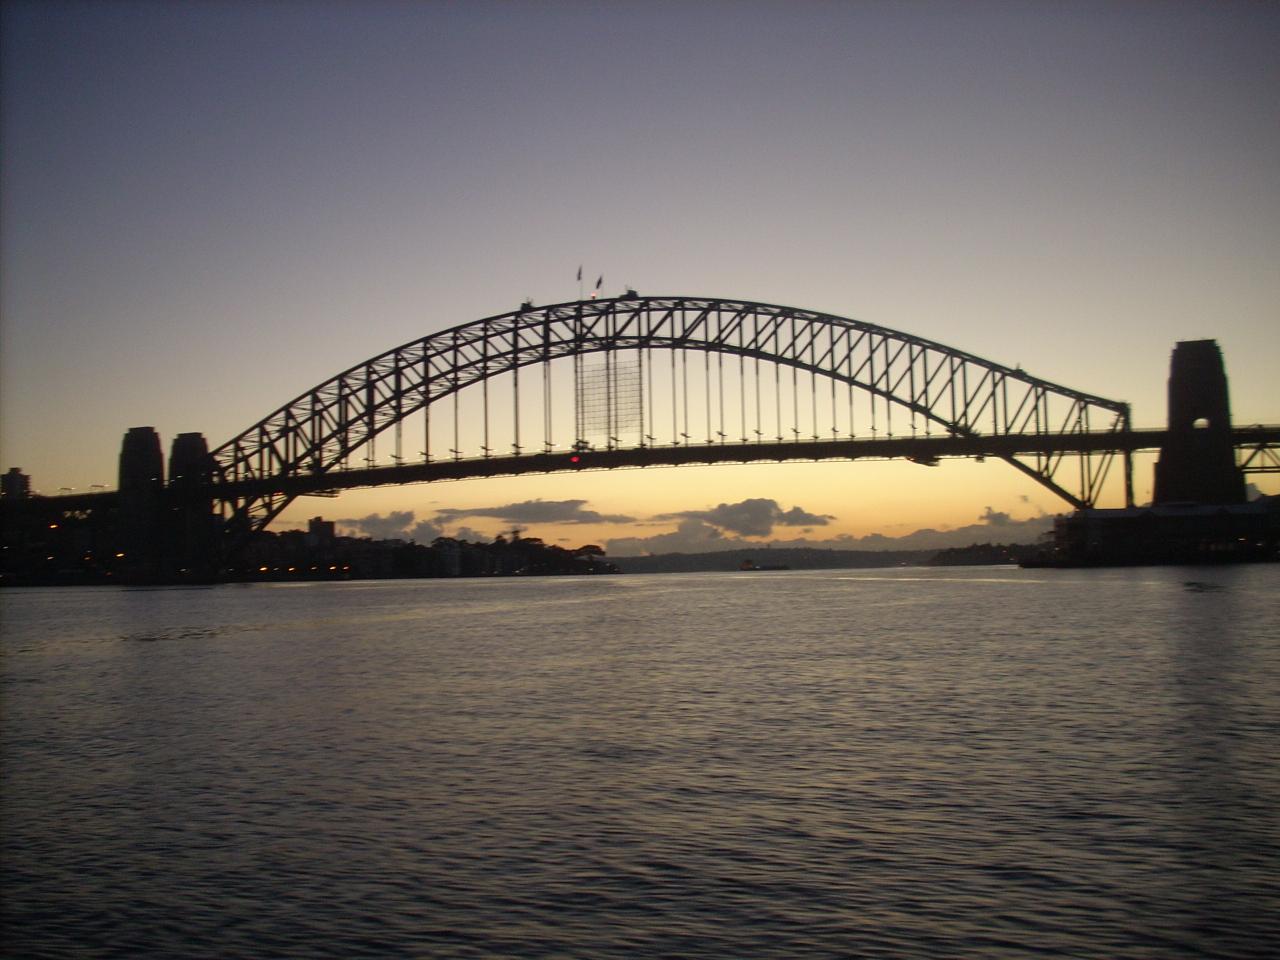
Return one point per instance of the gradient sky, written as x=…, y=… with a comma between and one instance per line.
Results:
x=209, y=208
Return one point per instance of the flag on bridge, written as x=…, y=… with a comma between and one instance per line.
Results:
x=579, y=274
x=600, y=281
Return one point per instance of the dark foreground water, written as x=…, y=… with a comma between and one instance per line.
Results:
x=912, y=763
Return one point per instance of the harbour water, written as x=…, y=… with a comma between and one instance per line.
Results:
x=975, y=762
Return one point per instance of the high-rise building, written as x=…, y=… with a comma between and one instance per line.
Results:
x=15, y=485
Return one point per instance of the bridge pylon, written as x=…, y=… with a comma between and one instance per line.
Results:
x=1197, y=460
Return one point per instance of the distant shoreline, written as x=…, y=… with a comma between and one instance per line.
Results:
x=736, y=560
x=814, y=558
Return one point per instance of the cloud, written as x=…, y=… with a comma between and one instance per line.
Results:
x=699, y=536
x=392, y=526
x=996, y=518
x=534, y=511
x=389, y=527
x=424, y=531
x=795, y=517
x=754, y=517
x=722, y=527
x=690, y=536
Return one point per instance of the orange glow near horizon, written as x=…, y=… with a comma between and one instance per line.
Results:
x=189, y=247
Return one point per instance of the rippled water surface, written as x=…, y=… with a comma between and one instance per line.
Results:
x=911, y=763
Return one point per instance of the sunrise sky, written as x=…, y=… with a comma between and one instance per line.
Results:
x=209, y=208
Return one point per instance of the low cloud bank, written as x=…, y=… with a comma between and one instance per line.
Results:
x=747, y=524
x=534, y=511
x=754, y=517
x=394, y=525
x=696, y=534
x=401, y=525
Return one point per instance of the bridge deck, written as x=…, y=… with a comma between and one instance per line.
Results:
x=922, y=449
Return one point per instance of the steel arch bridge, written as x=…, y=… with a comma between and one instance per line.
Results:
x=946, y=400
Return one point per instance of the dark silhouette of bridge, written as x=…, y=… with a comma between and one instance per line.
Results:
x=661, y=381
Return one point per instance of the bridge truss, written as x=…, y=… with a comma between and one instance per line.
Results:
x=772, y=382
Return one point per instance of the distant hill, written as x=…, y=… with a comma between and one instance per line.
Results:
x=793, y=558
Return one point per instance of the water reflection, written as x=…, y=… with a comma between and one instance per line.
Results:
x=1225, y=828
x=970, y=764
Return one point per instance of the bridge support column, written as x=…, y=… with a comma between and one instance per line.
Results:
x=1128, y=477
x=1197, y=463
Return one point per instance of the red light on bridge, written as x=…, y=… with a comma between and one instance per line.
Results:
x=575, y=459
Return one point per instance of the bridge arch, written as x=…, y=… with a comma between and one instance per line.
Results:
x=962, y=394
